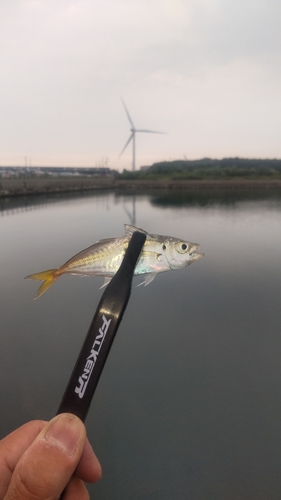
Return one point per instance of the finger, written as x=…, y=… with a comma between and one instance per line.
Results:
x=89, y=468
x=46, y=467
x=12, y=448
x=75, y=490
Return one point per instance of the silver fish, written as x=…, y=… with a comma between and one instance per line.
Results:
x=159, y=254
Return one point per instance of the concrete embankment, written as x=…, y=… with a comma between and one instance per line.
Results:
x=38, y=185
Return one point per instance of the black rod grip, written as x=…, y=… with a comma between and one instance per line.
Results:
x=90, y=362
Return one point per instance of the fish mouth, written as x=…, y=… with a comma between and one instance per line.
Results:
x=193, y=252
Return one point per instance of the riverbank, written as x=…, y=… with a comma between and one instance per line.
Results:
x=41, y=185
x=37, y=185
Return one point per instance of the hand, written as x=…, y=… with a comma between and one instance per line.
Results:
x=40, y=460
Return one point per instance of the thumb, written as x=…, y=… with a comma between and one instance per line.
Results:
x=48, y=464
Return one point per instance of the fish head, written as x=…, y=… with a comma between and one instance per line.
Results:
x=180, y=253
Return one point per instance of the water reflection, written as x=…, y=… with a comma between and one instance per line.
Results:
x=131, y=213
x=161, y=198
x=20, y=204
x=204, y=197
x=188, y=405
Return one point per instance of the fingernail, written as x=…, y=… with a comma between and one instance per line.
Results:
x=65, y=432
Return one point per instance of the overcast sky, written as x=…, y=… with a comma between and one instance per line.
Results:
x=206, y=72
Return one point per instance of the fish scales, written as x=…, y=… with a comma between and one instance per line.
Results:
x=104, y=256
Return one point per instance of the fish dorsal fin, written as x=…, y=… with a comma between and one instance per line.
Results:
x=130, y=230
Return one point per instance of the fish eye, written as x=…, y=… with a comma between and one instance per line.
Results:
x=164, y=246
x=182, y=247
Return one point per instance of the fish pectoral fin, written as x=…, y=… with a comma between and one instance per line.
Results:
x=146, y=254
x=106, y=280
x=153, y=256
x=130, y=230
x=148, y=279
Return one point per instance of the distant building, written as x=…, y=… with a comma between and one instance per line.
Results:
x=55, y=171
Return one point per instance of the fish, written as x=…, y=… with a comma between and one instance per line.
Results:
x=103, y=258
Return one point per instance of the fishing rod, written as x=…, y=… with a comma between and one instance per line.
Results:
x=91, y=360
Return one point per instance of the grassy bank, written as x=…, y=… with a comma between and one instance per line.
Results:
x=210, y=169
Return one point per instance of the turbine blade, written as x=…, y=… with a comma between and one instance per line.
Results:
x=128, y=141
x=127, y=113
x=149, y=131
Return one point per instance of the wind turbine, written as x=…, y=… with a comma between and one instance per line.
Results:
x=133, y=136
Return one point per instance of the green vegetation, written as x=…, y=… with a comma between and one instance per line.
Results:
x=209, y=169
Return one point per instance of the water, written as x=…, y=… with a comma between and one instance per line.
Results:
x=189, y=403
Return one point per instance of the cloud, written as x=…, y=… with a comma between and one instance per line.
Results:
x=206, y=71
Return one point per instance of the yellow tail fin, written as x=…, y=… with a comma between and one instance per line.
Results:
x=48, y=278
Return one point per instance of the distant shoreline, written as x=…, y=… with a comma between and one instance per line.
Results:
x=37, y=185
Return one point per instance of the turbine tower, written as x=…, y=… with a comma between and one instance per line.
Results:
x=133, y=136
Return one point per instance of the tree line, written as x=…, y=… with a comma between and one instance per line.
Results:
x=207, y=168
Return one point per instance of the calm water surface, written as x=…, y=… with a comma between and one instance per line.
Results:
x=189, y=403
